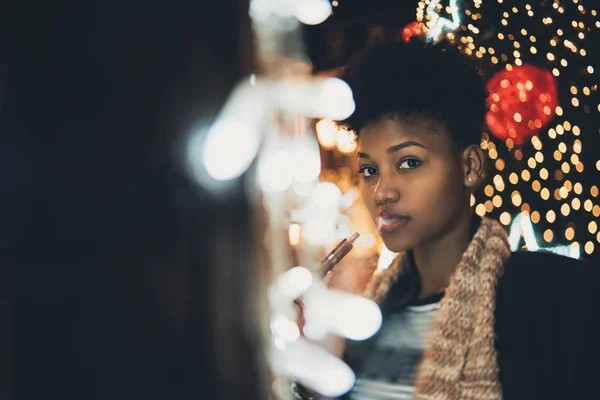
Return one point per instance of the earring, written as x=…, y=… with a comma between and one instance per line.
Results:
x=470, y=179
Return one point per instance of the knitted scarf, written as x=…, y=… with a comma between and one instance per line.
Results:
x=460, y=361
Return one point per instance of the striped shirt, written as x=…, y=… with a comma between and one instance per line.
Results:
x=390, y=368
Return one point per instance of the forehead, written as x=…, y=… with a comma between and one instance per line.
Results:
x=385, y=133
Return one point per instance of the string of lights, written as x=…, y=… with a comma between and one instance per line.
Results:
x=550, y=178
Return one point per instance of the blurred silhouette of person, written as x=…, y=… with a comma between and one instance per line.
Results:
x=133, y=282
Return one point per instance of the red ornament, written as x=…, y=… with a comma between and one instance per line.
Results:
x=413, y=29
x=522, y=101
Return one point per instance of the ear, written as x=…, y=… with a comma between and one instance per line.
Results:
x=474, y=166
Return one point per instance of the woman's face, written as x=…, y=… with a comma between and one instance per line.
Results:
x=413, y=181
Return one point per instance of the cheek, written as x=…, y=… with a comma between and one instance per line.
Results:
x=439, y=190
x=366, y=192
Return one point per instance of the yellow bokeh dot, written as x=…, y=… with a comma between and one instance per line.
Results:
x=536, y=185
x=567, y=125
x=539, y=157
x=596, y=211
x=548, y=235
x=525, y=175
x=574, y=159
x=516, y=198
x=562, y=147
x=594, y=191
x=589, y=247
x=480, y=210
x=578, y=188
x=569, y=233
x=588, y=205
x=545, y=194
x=551, y=216
x=535, y=217
x=544, y=173
x=497, y=201
x=505, y=218
x=489, y=190
x=563, y=192
x=500, y=164
x=493, y=154
x=575, y=204
x=593, y=227
x=518, y=154
x=557, y=155
x=565, y=209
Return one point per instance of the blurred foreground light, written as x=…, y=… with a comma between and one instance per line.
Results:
x=313, y=366
x=326, y=132
x=308, y=159
x=285, y=328
x=290, y=285
x=329, y=98
x=311, y=12
x=346, y=143
x=348, y=315
x=228, y=147
x=275, y=170
x=294, y=233
x=357, y=318
x=327, y=195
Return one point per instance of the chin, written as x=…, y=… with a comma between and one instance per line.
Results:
x=397, y=245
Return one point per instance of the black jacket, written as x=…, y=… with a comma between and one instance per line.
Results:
x=547, y=328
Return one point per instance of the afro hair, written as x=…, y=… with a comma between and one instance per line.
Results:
x=434, y=82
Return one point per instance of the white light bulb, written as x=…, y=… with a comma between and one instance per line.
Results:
x=327, y=195
x=357, y=318
x=308, y=159
x=311, y=12
x=336, y=99
x=326, y=132
x=275, y=170
x=229, y=149
x=316, y=98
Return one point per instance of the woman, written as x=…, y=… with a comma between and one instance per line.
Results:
x=463, y=317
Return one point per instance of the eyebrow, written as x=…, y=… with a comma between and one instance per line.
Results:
x=394, y=148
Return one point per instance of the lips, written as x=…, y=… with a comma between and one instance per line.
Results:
x=390, y=223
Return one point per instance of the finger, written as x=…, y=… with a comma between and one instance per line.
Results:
x=326, y=280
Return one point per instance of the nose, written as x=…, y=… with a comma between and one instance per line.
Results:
x=385, y=191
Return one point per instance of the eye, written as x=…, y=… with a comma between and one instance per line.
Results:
x=409, y=163
x=367, y=172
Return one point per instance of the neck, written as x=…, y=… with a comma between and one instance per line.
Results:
x=437, y=260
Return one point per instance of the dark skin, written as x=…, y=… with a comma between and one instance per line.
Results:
x=413, y=170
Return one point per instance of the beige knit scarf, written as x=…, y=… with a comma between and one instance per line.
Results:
x=460, y=362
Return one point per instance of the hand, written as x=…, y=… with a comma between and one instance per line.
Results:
x=351, y=275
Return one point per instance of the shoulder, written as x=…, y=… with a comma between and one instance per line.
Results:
x=541, y=278
x=546, y=267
